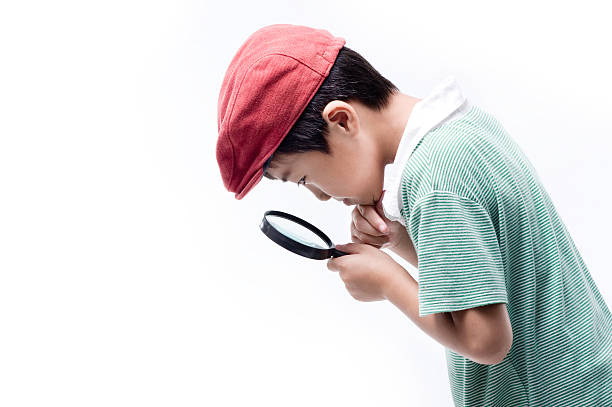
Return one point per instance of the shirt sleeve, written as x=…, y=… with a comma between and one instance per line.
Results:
x=459, y=259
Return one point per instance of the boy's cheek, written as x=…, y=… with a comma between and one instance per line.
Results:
x=318, y=193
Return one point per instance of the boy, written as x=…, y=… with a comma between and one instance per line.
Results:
x=439, y=182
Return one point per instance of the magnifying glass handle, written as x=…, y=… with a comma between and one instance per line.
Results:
x=337, y=253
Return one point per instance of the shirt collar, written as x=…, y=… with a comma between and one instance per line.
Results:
x=444, y=100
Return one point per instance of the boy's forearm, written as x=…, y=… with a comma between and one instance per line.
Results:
x=405, y=249
x=403, y=293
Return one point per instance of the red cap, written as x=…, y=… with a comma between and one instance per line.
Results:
x=267, y=86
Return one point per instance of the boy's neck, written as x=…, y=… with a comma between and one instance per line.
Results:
x=392, y=123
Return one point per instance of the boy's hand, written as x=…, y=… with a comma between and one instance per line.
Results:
x=370, y=226
x=367, y=272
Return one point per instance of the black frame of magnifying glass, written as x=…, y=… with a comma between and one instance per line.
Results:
x=297, y=247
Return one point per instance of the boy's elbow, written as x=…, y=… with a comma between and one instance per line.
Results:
x=485, y=333
x=495, y=351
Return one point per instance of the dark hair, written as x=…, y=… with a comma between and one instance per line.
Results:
x=350, y=78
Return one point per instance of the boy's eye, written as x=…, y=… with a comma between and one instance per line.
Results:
x=302, y=181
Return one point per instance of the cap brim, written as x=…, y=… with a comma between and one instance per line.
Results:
x=251, y=184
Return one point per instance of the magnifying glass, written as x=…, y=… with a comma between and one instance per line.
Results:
x=298, y=236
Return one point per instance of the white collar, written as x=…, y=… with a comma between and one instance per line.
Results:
x=441, y=104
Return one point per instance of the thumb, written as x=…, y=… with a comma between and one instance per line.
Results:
x=350, y=248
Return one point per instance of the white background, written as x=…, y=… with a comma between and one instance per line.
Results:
x=130, y=277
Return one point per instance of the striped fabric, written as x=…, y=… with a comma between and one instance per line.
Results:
x=485, y=232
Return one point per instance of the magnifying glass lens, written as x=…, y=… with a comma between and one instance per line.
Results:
x=297, y=232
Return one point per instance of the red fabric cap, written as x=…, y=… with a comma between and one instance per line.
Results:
x=266, y=87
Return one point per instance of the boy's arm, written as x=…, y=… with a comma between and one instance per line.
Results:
x=482, y=334
x=405, y=249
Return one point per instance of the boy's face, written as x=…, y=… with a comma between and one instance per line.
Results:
x=352, y=172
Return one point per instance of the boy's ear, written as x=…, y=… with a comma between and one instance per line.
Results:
x=340, y=115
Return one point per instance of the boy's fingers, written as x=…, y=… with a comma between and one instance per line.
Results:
x=335, y=263
x=362, y=225
x=376, y=241
x=373, y=240
x=369, y=212
x=350, y=248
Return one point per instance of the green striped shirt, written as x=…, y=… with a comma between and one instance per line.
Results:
x=486, y=231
